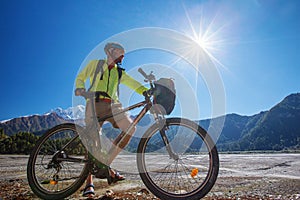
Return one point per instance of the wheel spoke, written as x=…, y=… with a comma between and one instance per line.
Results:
x=58, y=166
x=192, y=174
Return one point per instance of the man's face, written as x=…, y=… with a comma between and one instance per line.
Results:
x=118, y=55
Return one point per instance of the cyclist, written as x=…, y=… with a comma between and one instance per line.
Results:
x=107, y=101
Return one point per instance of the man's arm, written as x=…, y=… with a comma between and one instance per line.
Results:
x=81, y=78
x=132, y=83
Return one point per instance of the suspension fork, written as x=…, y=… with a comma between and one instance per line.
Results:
x=167, y=143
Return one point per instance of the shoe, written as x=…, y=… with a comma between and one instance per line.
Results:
x=87, y=192
x=117, y=177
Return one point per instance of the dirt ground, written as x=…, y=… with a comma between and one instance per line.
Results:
x=241, y=176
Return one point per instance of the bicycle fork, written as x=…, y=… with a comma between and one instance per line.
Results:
x=167, y=144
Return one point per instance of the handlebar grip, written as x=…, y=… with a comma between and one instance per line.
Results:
x=143, y=73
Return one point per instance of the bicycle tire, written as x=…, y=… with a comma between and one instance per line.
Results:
x=42, y=178
x=160, y=175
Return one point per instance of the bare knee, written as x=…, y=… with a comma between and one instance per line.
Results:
x=133, y=129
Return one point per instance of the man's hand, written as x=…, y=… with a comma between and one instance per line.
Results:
x=79, y=91
x=148, y=93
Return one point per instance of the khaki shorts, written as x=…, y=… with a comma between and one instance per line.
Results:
x=104, y=109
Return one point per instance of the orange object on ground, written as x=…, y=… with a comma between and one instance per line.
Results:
x=194, y=172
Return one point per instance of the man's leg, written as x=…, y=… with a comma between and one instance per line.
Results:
x=91, y=144
x=92, y=128
x=89, y=188
x=121, y=141
x=120, y=121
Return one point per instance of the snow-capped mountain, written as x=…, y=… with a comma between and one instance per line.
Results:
x=40, y=123
x=72, y=113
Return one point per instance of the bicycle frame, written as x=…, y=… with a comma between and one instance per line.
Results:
x=147, y=103
x=118, y=140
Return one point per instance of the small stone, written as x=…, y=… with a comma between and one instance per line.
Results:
x=109, y=193
x=142, y=191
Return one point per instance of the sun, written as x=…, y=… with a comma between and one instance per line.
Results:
x=207, y=35
x=202, y=42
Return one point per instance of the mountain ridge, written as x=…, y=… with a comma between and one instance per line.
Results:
x=275, y=129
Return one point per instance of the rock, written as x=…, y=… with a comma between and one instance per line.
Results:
x=109, y=193
x=143, y=191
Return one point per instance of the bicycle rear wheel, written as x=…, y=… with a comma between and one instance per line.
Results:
x=190, y=172
x=57, y=166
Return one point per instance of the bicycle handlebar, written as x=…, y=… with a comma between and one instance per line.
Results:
x=149, y=77
x=143, y=72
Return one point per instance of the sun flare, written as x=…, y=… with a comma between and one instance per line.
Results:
x=207, y=35
x=202, y=42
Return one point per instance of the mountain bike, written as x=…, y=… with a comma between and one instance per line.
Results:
x=176, y=158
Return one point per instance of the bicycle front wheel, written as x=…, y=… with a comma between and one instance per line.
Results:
x=177, y=159
x=57, y=166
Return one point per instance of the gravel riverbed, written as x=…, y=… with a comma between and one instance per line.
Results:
x=241, y=176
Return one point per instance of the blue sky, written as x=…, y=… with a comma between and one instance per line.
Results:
x=43, y=44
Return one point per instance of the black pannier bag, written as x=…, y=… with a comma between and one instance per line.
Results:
x=165, y=94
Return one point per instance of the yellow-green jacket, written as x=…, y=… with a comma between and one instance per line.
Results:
x=109, y=82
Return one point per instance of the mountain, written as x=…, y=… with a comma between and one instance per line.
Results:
x=72, y=113
x=38, y=124
x=275, y=129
